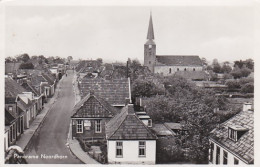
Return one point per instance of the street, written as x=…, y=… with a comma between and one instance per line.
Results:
x=49, y=143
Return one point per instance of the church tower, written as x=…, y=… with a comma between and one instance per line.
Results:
x=150, y=48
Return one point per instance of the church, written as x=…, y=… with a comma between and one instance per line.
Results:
x=167, y=64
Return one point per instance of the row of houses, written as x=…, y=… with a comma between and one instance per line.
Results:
x=26, y=91
x=106, y=113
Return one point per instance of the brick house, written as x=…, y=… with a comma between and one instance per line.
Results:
x=233, y=141
x=90, y=117
x=127, y=132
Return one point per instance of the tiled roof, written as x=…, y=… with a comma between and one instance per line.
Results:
x=172, y=125
x=48, y=78
x=29, y=88
x=12, y=88
x=9, y=118
x=113, y=91
x=162, y=130
x=93, y=106
x=37, y=79
x=126, y=126
x=244, y=147
x=10, y=100
x=179, y=60
x=193, y=75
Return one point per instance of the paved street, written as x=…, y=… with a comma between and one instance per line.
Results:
x=51, y=139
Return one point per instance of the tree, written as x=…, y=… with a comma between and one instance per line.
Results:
x=216, y=67
x=248, y=88
x=24, y=58
x=100, y=61
x=226, y=68
x=9, y=60
x=204, y=61
x=26, y=66
x=144, y=88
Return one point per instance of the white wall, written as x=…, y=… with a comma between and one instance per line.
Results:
x=6, y=139
x=230, y=156
x=165, y=69
x=130, y=152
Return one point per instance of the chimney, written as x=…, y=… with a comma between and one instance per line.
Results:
x=131, y=110
x=127, y=101
x=247, y=106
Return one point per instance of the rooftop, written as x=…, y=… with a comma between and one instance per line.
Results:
x=12, y=88
x=244, y=147
x=113, y=91
x=179, y=60
x=127, y=126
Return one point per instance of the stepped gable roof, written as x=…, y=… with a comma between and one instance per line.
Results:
x=173, y=60
x=127, y=126
x=244, y=147
x=9, y=118
x=93, y=106
x=113, y=91
x=193, y=75
x=29, y=88
x=12, y=88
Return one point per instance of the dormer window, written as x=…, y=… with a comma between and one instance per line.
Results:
x=236, y=132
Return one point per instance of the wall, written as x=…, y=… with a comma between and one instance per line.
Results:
x=89, y=134
x=130, y=152
x=230, y=156
x=165, y=69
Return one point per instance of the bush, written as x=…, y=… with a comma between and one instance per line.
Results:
x=248, y=88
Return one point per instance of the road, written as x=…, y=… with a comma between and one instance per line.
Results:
x=51, y=139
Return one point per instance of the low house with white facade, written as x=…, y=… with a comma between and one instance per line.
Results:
x=233, y=141
x=129, y=140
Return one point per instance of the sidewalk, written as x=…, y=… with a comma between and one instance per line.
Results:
x=76, y=149
x=28, y=133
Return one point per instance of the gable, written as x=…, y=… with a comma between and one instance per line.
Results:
x=93, y=107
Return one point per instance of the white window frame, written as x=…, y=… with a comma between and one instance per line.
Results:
x=98, y=124
x=232, y=134
x=87, y=124
x=142, y=146
x=10, y=108
x=119, y=146
x=79, y=126
x=225, y=156
x=211, y=153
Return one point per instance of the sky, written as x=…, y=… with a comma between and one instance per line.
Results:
x=116, y=33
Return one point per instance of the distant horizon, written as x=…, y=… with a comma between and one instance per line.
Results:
x=115, y=33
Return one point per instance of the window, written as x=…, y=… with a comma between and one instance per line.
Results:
x=225, y=157
x=170, y=70
x=79, y=126
x=211, y=152
x=185, y=69
x=98, y=126
x=10, y=108
x=149, y=123
x=11, y=133
x=232, y=134
x=119, y=149
x=218, y=155
x=141, y=148
x=178, y=69
x=236, y=162
x=193, y=69
x=87, y=124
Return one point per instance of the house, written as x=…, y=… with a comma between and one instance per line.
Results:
x=37, y=96
x=12, y=90
x=10, y=129
x=51, y=81
x=90, y=117
x=167, y=64
x=113, y=91
x=233, y=141
x=127, y=132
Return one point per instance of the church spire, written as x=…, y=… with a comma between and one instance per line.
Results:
x=150, y=34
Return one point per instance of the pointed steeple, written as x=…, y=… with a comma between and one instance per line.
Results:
x=150, y=34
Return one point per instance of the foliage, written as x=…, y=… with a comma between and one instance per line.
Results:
x=23, y=58
x=145, y=88
x=248, y=88
x=26, y=66
x=249, y=63
x=240, y=72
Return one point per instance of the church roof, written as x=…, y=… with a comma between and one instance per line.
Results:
x=179, y=60
x=150, y=34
